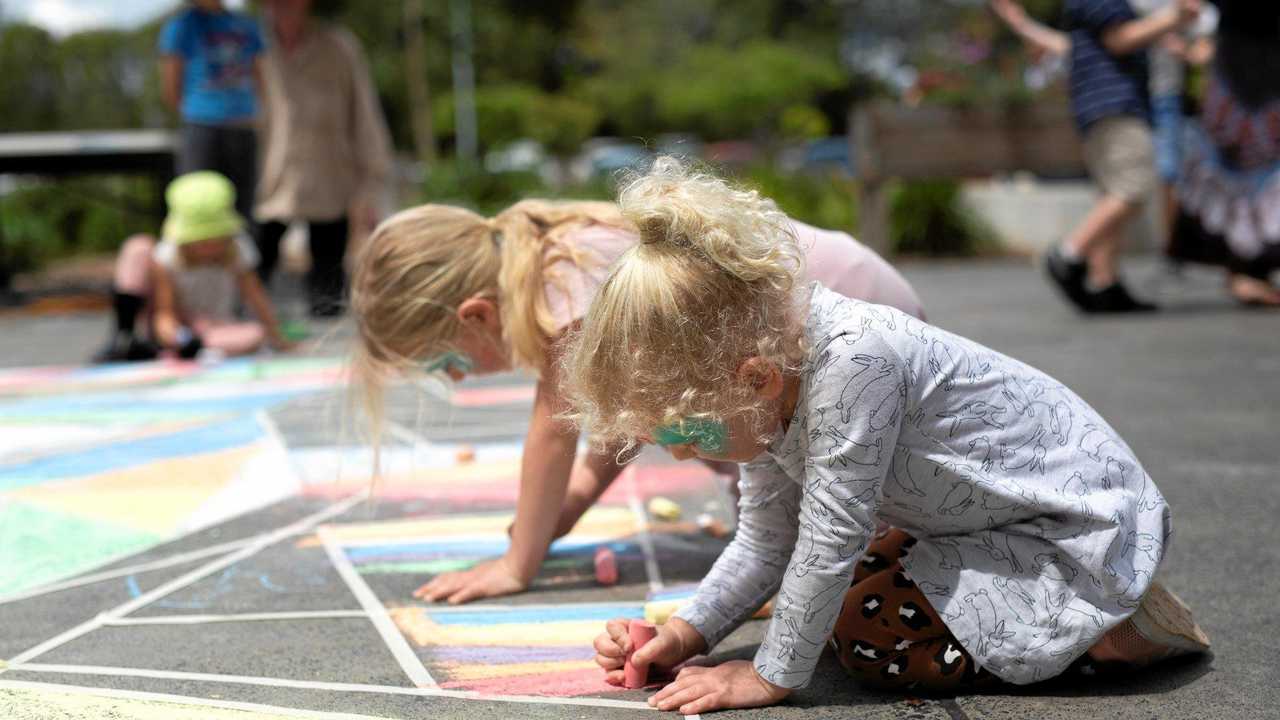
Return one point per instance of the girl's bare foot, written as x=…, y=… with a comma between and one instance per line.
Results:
x=1252, y=291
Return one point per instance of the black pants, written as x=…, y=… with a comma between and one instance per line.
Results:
x=326, y=282
x=232, y=151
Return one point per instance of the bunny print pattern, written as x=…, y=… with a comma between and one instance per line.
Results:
x=1037, y=528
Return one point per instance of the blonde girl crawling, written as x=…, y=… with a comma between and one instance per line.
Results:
x=442, y=288
x=1023, y=533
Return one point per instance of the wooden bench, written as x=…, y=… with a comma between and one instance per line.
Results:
x=148, y=152
x=892, y=141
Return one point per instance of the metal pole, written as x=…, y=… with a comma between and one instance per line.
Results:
x=464, y=82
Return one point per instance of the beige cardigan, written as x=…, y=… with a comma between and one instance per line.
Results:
x=325, y=143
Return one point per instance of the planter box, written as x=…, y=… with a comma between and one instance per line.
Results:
x=892, y=141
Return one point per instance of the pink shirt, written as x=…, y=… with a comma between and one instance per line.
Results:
x=854, y=270
x=833, y=258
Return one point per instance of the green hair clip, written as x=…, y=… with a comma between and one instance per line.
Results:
x=446, y=361
x=708, y=435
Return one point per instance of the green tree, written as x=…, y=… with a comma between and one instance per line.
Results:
x=510, y=111
x=29, y=86
x=735, y=92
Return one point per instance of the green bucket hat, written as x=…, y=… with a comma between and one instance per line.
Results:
x=201, y=206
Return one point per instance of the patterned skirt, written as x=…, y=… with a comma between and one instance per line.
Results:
x=1229, y=186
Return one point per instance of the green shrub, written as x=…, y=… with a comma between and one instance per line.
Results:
x=804, y=122
x=736, y=92
x=927, y=217
x=47, y=221
x=825, y=201
x=490, y=193
x=512, y=111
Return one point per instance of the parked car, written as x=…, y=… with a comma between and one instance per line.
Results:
x=525, y=155
x=605, y=156
x=829, y=154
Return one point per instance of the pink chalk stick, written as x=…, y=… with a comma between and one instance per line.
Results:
x=606, y=566
x=640, y=633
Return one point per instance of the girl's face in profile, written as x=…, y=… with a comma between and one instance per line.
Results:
x=213, y=251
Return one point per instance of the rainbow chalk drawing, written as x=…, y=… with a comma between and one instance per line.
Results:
x=99, y=464
x=534, y=650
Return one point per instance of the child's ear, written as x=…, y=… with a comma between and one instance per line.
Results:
x=763, y=376
x=481, y=310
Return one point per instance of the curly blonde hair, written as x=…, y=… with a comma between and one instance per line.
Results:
x=422, y=263
x=712, y=283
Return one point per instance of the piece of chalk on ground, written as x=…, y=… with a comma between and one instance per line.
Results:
x=659, y=612
x=640, y=633
x=606, y=566
x=660, y=605
x=664, y=509
x=465, y=454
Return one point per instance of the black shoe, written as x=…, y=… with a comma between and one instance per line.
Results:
x=1115, y=298
x=124, y=347
x=116, y=350
x=1069, y=276
x=141, y=350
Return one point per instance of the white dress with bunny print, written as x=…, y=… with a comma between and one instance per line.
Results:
x=1037, y=529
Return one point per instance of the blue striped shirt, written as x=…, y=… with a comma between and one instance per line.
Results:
x=1104, y=85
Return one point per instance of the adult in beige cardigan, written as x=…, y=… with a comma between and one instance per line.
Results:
x=326, y=149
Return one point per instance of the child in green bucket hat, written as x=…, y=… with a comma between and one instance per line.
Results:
x=189, y=282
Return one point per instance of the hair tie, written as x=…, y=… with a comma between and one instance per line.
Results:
x=495, y=231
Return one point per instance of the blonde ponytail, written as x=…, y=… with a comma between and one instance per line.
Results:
x=712, y=282
x=741, y=232
x=422, y=263
x=536, y=235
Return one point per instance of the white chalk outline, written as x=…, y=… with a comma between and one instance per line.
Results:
x=188, y=578
x=178, y=559
x=377, y=614
x=236, y=617
x=642, y=538
x=325, y=685
x=181, y=700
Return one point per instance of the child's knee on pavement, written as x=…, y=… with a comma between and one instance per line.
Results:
x=889, y=636
x=133, y=265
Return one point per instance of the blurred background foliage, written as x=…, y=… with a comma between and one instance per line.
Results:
x=771, y=73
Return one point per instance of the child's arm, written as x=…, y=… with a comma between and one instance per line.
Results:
x=1041, y=37
x=549, y=452
x=591, y=477
x=850, y=450
x=744, y=577
x=165, y=316
x=1134, y=35
x=256, y=297
x=171, y=81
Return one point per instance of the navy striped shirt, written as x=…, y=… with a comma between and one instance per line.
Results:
x=1104, y=85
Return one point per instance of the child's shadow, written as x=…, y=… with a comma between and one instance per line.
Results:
x=1161, y=677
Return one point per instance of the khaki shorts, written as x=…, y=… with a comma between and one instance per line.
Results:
x=1121, y=158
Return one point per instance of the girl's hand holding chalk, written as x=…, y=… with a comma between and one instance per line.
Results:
x=676, y=641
